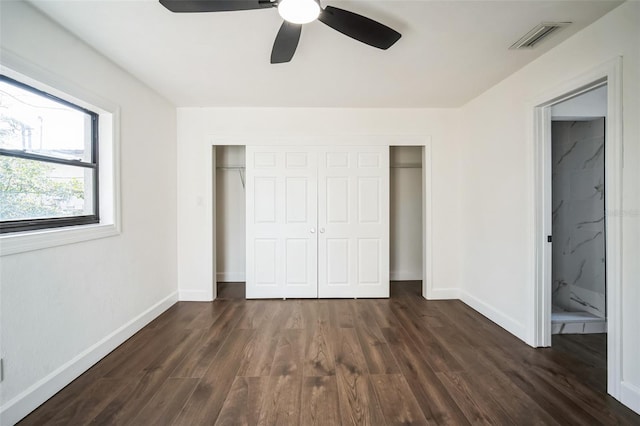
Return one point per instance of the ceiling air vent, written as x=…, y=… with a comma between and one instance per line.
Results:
x=537, y=34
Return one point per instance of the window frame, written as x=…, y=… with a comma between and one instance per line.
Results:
x=20, y=225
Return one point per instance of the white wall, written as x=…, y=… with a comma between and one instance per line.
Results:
x=199, y=128
x=405, y=213
x=64, y=307
x=497, y=188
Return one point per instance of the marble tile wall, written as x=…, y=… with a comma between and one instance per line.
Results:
x=578, y=216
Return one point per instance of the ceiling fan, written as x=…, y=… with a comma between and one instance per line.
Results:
x=295, y=13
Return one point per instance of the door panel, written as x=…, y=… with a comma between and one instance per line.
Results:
x=353, y=187
x=369, y=205
x=282, y=252
x=337, y=200
x=337, y=262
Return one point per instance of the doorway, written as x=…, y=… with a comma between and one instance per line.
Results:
x=230, y=207
x=578, y=274
x=406, y=217
x=578, y=262
x=228, y=188
x=608, y=76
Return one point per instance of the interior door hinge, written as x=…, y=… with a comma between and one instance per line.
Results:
x=549, y=239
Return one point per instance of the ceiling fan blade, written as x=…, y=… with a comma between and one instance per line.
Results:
x=360, y=28
x=191, y=6
x=286, y=42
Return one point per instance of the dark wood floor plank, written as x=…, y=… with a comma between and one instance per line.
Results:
x=320, y=402
x=319, y=354
x=209, y=315
x=244, y=402
x=156, y=348
x=90, y=402
x=513, y=401
x=289, y=356
x=128, y=404
x=62, y=399
x=281, y=404
x=435, y=354
x=399, y=406
x=558, y=404
x=374, y=346
x=476, y=409
x=180, y=315
x=166, y=403
x=357, y=399
x=435, y=402
x=231, y=291
x=262, y=349
x=296, y=318
x=260, y=354
x=196, y=365
x=590, y=349
x=597, y=404
x=427, y=311
x=207, y=399
x=324, y=314
x=478, y=327
x=343, y=313
x=384, y=314
x=403, y=360
x=255, y=314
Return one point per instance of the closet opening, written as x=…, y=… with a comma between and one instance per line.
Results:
x=230, y=207
x=406, y=233
x=365, y=205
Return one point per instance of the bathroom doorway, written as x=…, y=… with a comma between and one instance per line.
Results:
x=578, y=232
x=578, y=263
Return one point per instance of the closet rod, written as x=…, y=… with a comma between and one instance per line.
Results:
x=239, y=169
x=408, y=166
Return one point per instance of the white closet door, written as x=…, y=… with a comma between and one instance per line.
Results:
x=353, y=222
x=282, y=245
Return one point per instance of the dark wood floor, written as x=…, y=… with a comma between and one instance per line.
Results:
x=402, y=360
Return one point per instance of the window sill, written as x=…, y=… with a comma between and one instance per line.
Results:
x=21, y=242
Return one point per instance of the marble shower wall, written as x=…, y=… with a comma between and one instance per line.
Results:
x=578, y=216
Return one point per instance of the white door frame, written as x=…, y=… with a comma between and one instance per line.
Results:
x=540, y=317
x=423, y=141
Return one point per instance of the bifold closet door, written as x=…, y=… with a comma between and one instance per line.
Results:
x=353, y=222
x=282, y=246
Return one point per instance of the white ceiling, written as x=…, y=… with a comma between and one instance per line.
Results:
x=450, y=51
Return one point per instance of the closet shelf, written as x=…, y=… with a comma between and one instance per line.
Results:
x=240, y=169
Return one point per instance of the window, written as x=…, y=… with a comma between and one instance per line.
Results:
x=48, y=160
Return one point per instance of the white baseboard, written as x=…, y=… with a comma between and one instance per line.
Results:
x=443, y=294
x=27, y=401
x=405, y=276
x=630, y=396
x=512, y=326
x=195, y=295
x=230, y=277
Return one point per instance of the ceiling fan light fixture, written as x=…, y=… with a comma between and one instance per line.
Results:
x=299, y=11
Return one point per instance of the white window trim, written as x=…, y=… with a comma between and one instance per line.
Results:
x=108, y=153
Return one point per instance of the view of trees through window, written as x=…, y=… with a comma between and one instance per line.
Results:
x=47, y=163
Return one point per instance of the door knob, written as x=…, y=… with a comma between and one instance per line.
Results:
x=322, y=230
x=313, y=230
